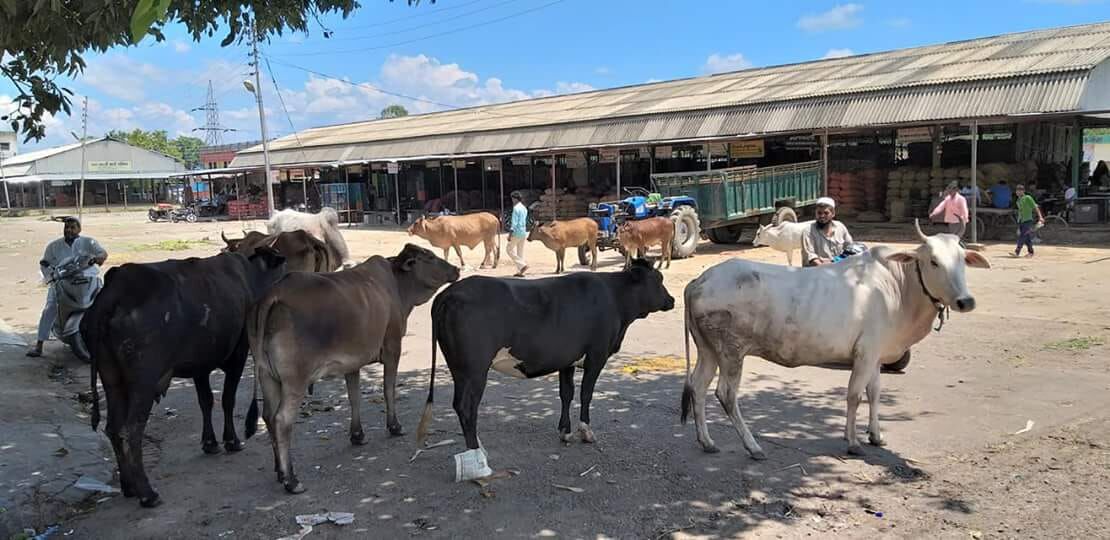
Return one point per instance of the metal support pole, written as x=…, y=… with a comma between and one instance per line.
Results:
x=1076, y=153
x=974, y=182
x=107, y=191
x=42, y=194
x=708, y=157
x=439, y=176
x=271, y=204
x=455, y=169
x=619, y=174
x=501, y=182
x=84, y=132
x=125, y=196
x=483, y=186
x=825, y=163
x=397, y=192
x=554, y=194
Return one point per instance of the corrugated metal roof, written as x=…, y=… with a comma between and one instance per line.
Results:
x=28, y=157
x=1031, y=72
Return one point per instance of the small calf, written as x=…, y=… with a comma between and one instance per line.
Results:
x=637, y=236
x=785, y=237
x=560, y=235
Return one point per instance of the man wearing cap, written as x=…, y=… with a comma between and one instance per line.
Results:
x=954, y=208
x=826, y=238
x=69, y=246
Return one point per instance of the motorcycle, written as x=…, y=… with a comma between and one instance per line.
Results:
x=74, y=292
x=850, y=250
x=165, y=211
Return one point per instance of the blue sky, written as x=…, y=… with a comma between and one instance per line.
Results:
x=468, y=52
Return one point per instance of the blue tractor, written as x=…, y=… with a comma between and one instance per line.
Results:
x=643, y=204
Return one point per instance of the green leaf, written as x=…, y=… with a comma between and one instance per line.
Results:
x=141, y=19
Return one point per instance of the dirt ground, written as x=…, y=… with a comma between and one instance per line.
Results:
x=1034, y=353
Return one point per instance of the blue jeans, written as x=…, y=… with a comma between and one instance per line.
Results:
x=1025, y=236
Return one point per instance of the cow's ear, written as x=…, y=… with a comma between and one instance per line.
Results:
x=975, y=259
x=902, y=257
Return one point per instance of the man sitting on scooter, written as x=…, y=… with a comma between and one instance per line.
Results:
x=827, y=238
x=70, y=245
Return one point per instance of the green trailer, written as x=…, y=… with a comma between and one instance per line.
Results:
x=728, y=199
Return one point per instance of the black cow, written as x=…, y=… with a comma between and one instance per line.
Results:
x=178, y=318
x=532, y=328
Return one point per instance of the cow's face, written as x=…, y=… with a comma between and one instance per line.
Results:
x=418, y=227
x=232, y=243
x=761, y=236
x=425, y=269
x=941, y=261
x=269, y=265
x=540, y=232
x=647, y=293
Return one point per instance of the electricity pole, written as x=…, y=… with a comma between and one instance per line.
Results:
x=84, y=133
x=257, y=91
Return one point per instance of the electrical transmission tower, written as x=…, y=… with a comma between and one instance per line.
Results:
x=213, y=131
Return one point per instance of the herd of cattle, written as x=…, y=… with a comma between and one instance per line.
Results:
x=294, y=300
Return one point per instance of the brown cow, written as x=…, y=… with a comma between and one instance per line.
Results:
x=313, y=325
x=445, y=232
x=638, y=236
x=560, y=235
x=302, y=251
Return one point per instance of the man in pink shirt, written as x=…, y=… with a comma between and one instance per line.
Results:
x=954, y=207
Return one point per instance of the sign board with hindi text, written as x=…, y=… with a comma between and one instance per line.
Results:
x=392, y=167
x=916, y=134
x=109, y=166
x=521, y=160
x=746, y=149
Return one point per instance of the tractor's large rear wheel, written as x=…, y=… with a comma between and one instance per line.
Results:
x=686, y=232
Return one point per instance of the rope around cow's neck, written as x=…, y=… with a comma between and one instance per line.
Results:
x=942, y=310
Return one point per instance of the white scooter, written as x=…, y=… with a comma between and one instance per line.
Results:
x=74, y=293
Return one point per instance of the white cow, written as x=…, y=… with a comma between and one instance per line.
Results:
x=785, y=237
x=323, y=226
x=861, y=313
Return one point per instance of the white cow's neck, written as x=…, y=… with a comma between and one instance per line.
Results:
x=918, y=311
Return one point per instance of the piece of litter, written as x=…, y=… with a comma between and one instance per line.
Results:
x=975, y=534
x=875, y=513
x=226, y=533
x=89, y=483
x=61, y=452
x=429, y=447
x=1028, y=427
x=587, y=471
x=305, y=529
x=572, y=489
x=554, y=457
x=338, y=518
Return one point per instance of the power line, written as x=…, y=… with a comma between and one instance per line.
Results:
x=277, y=90
x=421, y=26
x=415, y=16
x=430, y=36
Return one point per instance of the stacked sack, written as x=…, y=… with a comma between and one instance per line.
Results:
x=911, y=190
x=861, y=190
x=907, y=189
x=561, y=204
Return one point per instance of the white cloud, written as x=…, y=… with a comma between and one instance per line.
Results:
x=841, y=17
x=603, y=70
x=718, y=63
x=838, y=53
x=899, y=22
x=181, y=46
x=121, y=77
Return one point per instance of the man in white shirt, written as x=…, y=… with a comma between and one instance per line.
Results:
x=826, y=238
x=70, y=245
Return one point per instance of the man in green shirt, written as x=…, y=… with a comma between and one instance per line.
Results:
x=1026, y=206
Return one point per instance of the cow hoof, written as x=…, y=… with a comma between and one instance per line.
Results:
x=151, y=501
x=358, y=439
x=759, y=455
x=711, y=449
x=396, y=430
x=585, y=433
x=127, y=491
x=234, y=446
x=294, y=487
x=876, y=441
x=210, y=447
x=567, y=437
x=855, y=450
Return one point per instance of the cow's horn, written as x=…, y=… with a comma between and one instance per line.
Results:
x=224, y=237
x=917, y=227
x=272, y=242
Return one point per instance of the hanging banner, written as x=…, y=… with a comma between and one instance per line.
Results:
x=392, y=167
x=521, y=160
x=608, y=155
x=717, y=149
x=431, y=164
x=746, y=149
x=917, y=134
x=802, y=142
x=492, y=164
x=109, y=166
x=459, y=164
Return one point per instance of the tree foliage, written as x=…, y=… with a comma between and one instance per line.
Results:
x=184, y=148
x=41, y=40
x=394, y=111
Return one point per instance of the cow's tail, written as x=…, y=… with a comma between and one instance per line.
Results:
x=94, y=329
x=497, y=245
x=257, y=317
x=687, y=388
x=426, y=417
